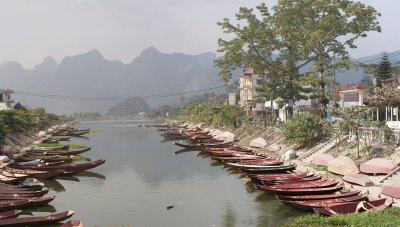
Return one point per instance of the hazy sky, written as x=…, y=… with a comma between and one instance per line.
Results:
x=121, y=29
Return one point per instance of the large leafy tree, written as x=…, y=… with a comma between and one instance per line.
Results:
x=329, y=28
x=384, y=72
x=299, y=32
x=269, y=49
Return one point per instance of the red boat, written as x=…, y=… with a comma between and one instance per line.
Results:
x=68, y=167
x=237, y=158
x=299, y=185
x=349, y=208
x=38, y=220
x=296, y=180
x=38, y=174
x=24, y=203
x=10, y=214
x=310, y=204
x=317, y=197
x=304, y=191
x=280, y=176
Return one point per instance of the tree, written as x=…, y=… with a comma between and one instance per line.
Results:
x=328, y=28
x=384, y=72
x=353, y=119
x=253, y=47
x=299, y=33
x=304, y=129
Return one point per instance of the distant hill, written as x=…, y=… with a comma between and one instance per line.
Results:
x=91, y=75
x=131, y=106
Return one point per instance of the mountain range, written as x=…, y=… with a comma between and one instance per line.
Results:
x=89, y=74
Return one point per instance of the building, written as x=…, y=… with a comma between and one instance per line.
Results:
x=248, y=82
x=352, y=94
x=5, y=99
x=247, y=89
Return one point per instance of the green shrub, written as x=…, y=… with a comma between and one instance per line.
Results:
x=387, y=217
x=304, y=129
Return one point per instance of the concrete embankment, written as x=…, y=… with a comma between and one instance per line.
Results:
x=276, y=147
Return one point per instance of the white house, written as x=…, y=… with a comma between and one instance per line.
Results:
x=5, y=99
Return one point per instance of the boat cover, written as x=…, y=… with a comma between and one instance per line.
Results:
x=258, y=142
x=378, y=166
x=358, y=179
x=342, y=165
x=322, y=159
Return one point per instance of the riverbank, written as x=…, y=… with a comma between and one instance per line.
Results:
x=275, y=147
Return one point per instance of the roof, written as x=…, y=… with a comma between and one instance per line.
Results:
x=352, y=87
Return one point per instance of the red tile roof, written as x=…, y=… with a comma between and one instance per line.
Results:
x=350, y=87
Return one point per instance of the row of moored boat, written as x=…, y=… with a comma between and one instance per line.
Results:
x=305, y=191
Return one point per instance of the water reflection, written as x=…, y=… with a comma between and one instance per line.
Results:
x=229, y=216
x=68, y=178
x=184, y=150
x=53, y=185
x=90, y=174
x=46, y=208
x=142, y=177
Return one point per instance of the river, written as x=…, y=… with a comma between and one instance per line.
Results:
x=142, y=177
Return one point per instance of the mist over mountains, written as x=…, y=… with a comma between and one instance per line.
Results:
x=90, y=75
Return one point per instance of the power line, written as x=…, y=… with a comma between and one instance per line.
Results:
x=112, y=98
x=389, y=55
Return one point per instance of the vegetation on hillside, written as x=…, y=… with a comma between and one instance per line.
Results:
x=14, y=121
x=216, y=115
x=304, y=129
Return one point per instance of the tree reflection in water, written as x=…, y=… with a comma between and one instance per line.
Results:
x=229, y=216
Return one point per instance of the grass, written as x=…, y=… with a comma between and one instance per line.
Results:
x=77, y=158
x=75, y=146
x=61, y=137
x=320, y=168
x=387, y=217
x=50, y=145
x=58, y=145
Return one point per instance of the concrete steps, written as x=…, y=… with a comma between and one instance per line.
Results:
x=322, y=148
x=392, y=176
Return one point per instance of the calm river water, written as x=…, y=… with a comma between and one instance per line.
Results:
x=142, y=176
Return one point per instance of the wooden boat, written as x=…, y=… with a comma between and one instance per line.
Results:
x=308, y=205
x=200, y=145
x=299, y=185
x=304, y=191
x=15, y=175
x=51, y=148
x=61, y=138
x=68, y=167
x=264, y=161
x=271, y=163
x=7, y=205
x=317, y=197
x=46, y=158
x=38, y=174
x=72, y=223
x=72, y=151
x=35, y=187
x=280, y=176
x=296, y=180
x=350, y=207
x=392, y=189
x=25, y=193
x=38, y=220
x=10, y=214
x=10, y=180
x=237, y=158
x=271, y=169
